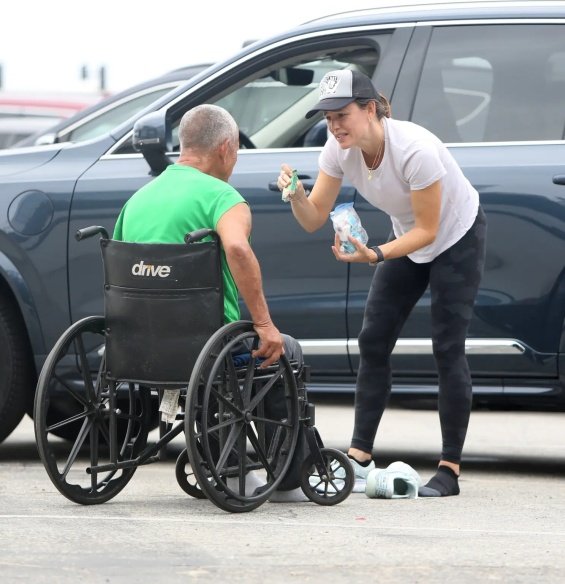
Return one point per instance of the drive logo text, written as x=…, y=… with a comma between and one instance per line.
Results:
x=150, y=271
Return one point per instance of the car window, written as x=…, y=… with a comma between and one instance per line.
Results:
x=117, y=114
x=258, y=103
x=489, y=83
x=270, y=106
x=270, y=103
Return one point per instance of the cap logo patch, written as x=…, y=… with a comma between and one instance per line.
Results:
x=328, y=86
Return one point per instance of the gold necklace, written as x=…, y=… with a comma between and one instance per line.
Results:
x=377, y=157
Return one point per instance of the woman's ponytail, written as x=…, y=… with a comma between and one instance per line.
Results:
x=383, y=107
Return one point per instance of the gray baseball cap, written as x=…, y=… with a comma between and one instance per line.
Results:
x=340, y=88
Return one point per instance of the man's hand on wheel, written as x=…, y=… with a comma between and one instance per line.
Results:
x=271, y=345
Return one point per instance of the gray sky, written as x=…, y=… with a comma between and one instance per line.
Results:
x=43, y=44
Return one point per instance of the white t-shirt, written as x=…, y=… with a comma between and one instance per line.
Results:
x=414, y=158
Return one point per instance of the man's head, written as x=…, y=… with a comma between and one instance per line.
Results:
x=209, y=140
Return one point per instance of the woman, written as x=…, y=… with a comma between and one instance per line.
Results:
x=439, y=240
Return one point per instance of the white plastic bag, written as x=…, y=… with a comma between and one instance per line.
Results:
x=346, y=222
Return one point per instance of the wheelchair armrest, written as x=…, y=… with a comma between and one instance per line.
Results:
x=90, y=232
x=199, y=234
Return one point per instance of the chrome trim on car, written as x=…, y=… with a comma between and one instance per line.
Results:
x=245, y=152
x=429, y=389
x=506, y=143
x=323, y=346
x=412, y=347
x=531, y=20
x=429, y=8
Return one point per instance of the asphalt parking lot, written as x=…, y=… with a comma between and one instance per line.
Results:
x=508, y=524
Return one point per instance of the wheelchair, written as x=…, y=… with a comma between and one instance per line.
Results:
x=162, y=341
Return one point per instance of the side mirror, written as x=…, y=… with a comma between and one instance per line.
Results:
x=152, y=137
x=45, y=139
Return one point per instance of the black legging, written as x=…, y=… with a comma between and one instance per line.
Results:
x=397, y=285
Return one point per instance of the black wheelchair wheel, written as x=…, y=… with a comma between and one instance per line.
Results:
x=74, y=373
x=185, y=477
x=242, y=422
x=334, y=483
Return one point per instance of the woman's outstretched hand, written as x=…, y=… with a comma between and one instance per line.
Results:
x=284, y=180
x=285, y=176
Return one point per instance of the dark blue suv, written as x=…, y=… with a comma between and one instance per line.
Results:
x=489, y=81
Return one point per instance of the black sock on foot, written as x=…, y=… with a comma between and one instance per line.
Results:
x=443, y=484
x=365, y=463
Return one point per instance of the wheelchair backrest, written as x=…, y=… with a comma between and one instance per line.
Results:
x=162, y=302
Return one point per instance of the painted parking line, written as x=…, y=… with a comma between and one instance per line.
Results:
x=286, y=523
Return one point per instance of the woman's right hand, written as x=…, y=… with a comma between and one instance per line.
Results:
x=311, y=210
x=285, y=177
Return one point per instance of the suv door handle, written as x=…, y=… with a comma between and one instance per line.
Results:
x=559, y=179
x=308, y=184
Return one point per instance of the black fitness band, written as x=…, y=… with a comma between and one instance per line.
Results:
x=380, y=255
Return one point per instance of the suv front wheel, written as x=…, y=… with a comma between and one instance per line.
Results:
x=16, y=369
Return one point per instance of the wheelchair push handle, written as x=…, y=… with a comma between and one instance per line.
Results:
x=200, y=234
x=90, y=232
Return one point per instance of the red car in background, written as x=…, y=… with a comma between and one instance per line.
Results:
x=23, y=114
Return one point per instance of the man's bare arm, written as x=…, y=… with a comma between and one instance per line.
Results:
x=234, y=228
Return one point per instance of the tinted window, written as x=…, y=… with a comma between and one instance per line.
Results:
x=114, y=116
x=270, y=103
x=490, y=83
x=270, y=107
x=261, y=101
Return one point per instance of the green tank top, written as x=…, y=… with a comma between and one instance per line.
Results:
x=180, y=200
